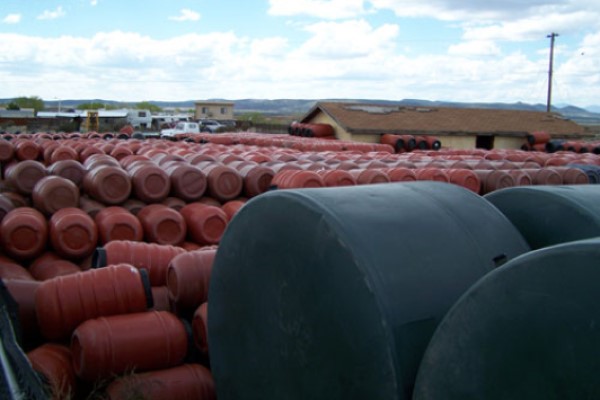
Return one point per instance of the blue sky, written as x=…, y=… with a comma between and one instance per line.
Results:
x=456, y=50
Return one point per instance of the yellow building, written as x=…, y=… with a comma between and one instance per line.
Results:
x=218, y=110
x=455, y=127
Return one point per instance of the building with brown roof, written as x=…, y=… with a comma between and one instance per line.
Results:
x=455, y=127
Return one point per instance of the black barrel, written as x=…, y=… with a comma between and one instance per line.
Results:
x=528, y=330
x=548, y=215
x=334, y=293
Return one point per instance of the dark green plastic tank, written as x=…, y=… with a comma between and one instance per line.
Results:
x=548, y=215
x=334, y=293
x=528, y=330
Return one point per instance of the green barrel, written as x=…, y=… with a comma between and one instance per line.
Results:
x=334, y=293
x=549, y=215
x=528, y=330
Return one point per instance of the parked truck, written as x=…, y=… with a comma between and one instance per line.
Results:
x=180, y=128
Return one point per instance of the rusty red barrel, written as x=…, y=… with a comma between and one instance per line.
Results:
x=150, y=183
x=162, y=225
x=24, y=233
x=50, y=265
x=53, y=193
x=69, y=169
x=65, y=302
x=54, y=363
x=10, y=269
x=108, y=184
x=185, y=382
x=187, y=182
x=224, y=183
x=188, y=277
x=24, y=175
x=205, y=223
x=200, y=329
x=117, y=223
x=150, y=256
x=108, y=346
x=73, y=233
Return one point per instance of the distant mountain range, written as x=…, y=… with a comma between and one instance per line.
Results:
x=292, y=107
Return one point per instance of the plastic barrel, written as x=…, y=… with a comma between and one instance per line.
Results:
x=10, y=269
x=339, y=297
x=149, y=182
x=187, y=182
x=154, y=258
x=108, y=184
x=64, y=302
x=200, y=329
x=108, y=346
x=205, y=223
x=68, y=169
x=117, y=223
x=24, y=233
x=53, y=193
x=548, y=215
x=50, y=265
x=24, y=175
x=162, y=225
x=185, y=382
x=73, y=233
x=527, y=330
x=54, y=362
x=188, y=277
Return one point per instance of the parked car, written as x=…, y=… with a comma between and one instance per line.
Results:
x=210, y=125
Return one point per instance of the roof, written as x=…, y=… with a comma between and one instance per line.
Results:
x=83, y=114
x=376, y=119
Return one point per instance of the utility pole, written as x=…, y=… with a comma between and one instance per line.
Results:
x=552, y=36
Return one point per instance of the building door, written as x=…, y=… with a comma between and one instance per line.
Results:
x=484, y=142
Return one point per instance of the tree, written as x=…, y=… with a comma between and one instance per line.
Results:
x=27, y=102
x=253, y=117
x=146, y=105
x=92, y=106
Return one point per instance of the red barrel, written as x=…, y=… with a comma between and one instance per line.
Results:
x=27, y=150
x=68, y=169
x=572, y=176
x=206, y=224
x=150, y=256
x=65, y=302
x=162, y=224
x=521, y=177
x=174, y=202
x=53, y=193
x=54, y=362
x=7, y=151
x=494, y=179
x=224, y=183
x=465, y=178
x=90, y=206
x=187, y=182
x=134, y=206
x=24, y=233
x=185, y=382
x=293, y=179
x=108, y=346
x=431, y=174
x=188, y=277
x=369, y=176
x=200, y=329
x=73, y=233
x=63, y=153
x=10, y=269
x=6, y=206
x=256, y=178
x=117, y=223
x=107, y=184
x=49, y=265
x=232, y=207
x=24, y=175
x=401, y=174
x=161, y=300
x=337, y=177
x=544, y=176
x=150, y=183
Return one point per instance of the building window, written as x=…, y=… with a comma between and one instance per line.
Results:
x=484, y=142
x=223, y=110
x=204, y=110
x=142, y=114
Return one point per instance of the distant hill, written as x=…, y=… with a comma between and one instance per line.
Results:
x=289, y=107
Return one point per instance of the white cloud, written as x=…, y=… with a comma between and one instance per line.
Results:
x=325, y=9
x=186, y=15
x=93, y=3
x=12, y=19
x=47, y=14
x=475, y=48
